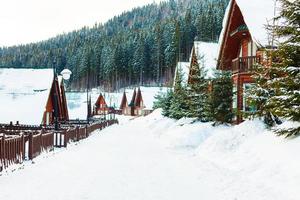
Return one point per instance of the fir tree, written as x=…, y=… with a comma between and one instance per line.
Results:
x=164, y=101
x=276, y=92
x=222, y=97
x=179, y=105
x=260, y=94
x=286, y=82
x=198, y=92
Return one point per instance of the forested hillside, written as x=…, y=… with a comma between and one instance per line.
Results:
x=141, y=46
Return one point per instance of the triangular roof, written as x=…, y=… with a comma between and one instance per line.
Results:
x=207, y=53
x=139, y=98
x=185, y=68
x=256, y=15
x=132, y=102
x=124, y=102
x=101, y=97
x=24, y=94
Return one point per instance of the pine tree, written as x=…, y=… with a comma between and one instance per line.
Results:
x=164, y=101
x=179, y=105
x=260, y=94
x=222, y=97
x=198, y=100
x=276, y=92
x=286, y=82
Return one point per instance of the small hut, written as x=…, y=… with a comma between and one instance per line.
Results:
x=100, y=107
x=136, y=106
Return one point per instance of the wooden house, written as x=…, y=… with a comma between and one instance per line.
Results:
x=56, y=103
x=242, y=43
x=32, y=96
x=100, y=107
x=136, y=106
x=203, y=54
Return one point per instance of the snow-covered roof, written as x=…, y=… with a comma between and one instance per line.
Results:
x=24, y=94
x=257, y=14
x=185, y=67
x=207, y=53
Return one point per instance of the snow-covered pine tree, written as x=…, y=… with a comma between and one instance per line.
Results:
x=179, y=105
x=286, y=84
x=260, y=94
x=222, y=97
x=198, y=93
x=164, y=101
x=276, y=92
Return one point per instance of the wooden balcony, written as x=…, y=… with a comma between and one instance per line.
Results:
x=244, y=64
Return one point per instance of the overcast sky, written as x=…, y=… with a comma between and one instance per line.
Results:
x=24, y=21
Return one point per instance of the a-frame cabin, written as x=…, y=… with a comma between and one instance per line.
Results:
x=56, y=103
x=242, y=44
x=100, y=107
x=136, y=105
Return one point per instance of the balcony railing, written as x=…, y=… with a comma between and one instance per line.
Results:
x=244, y=64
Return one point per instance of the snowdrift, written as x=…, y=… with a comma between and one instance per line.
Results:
x=266, y=163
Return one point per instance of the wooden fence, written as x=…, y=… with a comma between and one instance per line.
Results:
x=20, y=142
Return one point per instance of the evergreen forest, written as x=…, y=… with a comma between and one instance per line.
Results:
x=141, y=46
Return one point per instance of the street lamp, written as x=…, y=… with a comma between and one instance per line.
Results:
x=66, y=74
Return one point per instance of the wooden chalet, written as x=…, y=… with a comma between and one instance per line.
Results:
x=100, y=107
x=136, y=105
x=32, y=96
x=242, y=43
x=56, y=103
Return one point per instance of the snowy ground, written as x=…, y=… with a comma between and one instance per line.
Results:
x=161, y=159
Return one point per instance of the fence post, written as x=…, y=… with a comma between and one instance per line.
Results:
x=41, y=143
x=3, y=151
x=23, y=146
x=86, y=131
x=30, y=149
x=77, y=133
x=66, y=138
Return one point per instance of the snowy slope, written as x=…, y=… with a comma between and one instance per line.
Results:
x=159, y=158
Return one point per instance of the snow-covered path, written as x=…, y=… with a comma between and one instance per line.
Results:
x=131, y=161
x=123, y=162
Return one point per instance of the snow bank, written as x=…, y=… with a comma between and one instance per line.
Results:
x=256, y=158
x=154, y=157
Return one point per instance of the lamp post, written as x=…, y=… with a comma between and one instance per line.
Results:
x=66, y=74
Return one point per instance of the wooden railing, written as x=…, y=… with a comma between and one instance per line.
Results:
x=12, y=150
x=244, y=64
x=20, y=142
